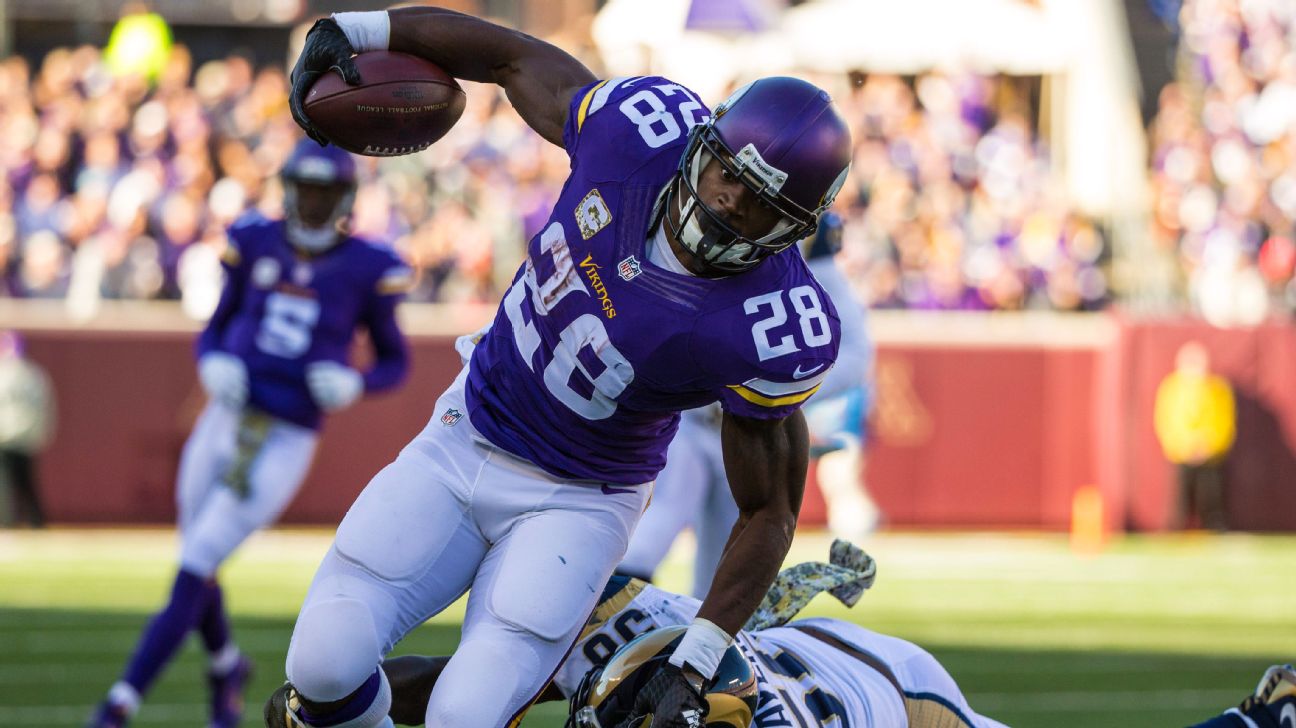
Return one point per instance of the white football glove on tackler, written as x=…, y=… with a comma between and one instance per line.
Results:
x=224, y=378
x=333, y=386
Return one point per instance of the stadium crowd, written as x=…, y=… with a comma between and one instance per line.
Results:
x=115, y=186
x=950, y=203
x=1223, y=158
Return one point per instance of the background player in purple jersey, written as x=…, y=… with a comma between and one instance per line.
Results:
x=273, y=359
x=692, y=491
x=664, y=280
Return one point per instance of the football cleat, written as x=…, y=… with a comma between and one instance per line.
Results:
x=281, y=708
x=1274, y=701
x=109, y=715
x=227, y=694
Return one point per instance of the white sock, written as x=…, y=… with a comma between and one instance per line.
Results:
x=368, y=30
x=124, y=696
x=224, y=660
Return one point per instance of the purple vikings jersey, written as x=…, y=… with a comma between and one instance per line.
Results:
x=282, y=310
x=595, y=350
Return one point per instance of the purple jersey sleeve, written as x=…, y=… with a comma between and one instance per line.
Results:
x=391, y=355
x=627, y=119
x=771, y=351
x=234, y=265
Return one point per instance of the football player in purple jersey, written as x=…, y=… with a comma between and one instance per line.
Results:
x=272, y=359
x=665, y=279
x=692, y=491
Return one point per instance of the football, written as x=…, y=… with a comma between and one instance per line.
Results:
x=402, y=106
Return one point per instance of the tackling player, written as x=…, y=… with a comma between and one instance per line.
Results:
x=692, y=490
x=664, y=279
x=810, y=672
x=273, y=359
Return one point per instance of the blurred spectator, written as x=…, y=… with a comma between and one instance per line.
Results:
x=26, y=421
x=1196, y=424
x=118, y=183
x=1224, y=158
x=113, y=175
x=951, y=203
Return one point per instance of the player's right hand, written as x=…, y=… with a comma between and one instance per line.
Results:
x=673, y=698
x=224, y=378
x=326, y=49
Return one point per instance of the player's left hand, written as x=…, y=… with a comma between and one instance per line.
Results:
x=674, y=698
x=333, y=386
x=326, y=49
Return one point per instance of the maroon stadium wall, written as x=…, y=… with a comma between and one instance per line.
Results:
x=980, y=421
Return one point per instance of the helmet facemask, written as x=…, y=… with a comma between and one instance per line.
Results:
x=713, y=242
x=324, y=235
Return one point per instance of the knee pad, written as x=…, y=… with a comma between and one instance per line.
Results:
x=334, y=649
x=462, y=698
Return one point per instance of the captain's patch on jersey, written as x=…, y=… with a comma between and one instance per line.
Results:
x=592, y=214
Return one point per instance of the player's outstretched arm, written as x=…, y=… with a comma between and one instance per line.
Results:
x=765, y=461
x=391, y=352
x=539, y=78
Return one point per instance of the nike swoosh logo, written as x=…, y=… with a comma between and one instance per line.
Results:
x=609, y=490
x=1288, y=717
x=798, y=374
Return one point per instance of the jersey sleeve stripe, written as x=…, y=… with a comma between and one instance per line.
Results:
x=778, y=389
x=585, y=104
x=760, y=399
x=231, y=256
x=603, y=94
x=397, y=280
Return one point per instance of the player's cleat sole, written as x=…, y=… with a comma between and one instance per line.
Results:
x=108, y=715
x=279, y=708
x=1272, y=705
x=227, y=694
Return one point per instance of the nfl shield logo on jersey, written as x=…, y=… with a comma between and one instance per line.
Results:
x=592, y=215
x=451, y=417
x=629, y=268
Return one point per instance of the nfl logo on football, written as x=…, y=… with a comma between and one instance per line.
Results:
x=451, y=417
x=629, y=268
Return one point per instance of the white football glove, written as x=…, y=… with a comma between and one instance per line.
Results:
x=333, y=386
x=224, y=377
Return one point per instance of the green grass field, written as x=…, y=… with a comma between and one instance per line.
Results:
x=1154, y=632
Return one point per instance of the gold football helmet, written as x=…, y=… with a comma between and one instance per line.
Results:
x=606, y=695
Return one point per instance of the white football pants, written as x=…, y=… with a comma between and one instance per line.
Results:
x=453, y=514
x=213, y=518
x=691, y=491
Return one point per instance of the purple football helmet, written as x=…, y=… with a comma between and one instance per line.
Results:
x=329, y=167
x=786, y=141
